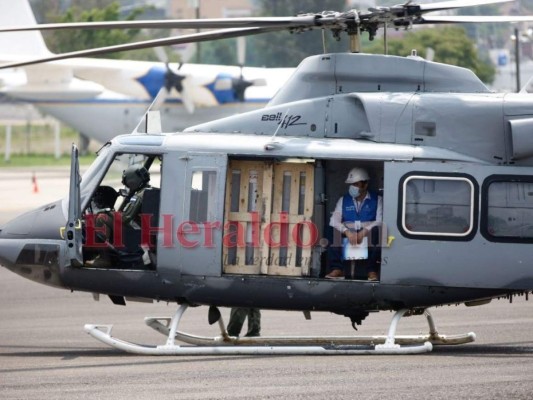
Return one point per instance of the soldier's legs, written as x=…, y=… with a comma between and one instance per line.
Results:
x=236, y=320
x=254, y=322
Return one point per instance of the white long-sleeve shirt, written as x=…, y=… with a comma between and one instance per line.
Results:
x=336, y=218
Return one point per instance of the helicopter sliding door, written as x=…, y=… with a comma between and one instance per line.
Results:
x=268, y=214
x=193, y=194
x=460, y=225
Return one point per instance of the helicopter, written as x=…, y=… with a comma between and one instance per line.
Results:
x=234, y=212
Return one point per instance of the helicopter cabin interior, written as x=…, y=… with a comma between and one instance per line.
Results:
x=275, y=216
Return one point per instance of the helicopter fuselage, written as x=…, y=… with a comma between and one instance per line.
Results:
x=240, y=214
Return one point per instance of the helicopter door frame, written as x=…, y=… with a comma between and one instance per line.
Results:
x=72, y=232
x=265, y=228
x=193, y=193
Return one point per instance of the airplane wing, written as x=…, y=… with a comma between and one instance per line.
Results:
x=48, y=82
x=68, y=80
x=83, y=78
x=103, y=97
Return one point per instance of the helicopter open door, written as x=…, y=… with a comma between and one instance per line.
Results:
x=73, y=233
x=268, y=218
x=457, y=225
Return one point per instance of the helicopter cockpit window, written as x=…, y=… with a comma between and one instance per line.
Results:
x=438, y=206
x=91, y=177
x=125, y=202
x=121, y=162
x=509, y=211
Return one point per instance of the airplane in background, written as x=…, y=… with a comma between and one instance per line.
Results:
x=101, y=98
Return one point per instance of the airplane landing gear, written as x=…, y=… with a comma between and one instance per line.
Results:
x=302, y=345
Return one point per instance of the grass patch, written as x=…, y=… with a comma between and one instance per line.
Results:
x=34, y=145
x=43, y=160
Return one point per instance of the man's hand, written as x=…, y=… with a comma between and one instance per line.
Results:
x=355, y=237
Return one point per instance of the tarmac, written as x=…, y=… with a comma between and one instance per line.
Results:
x=22, y=189
x=44, y=352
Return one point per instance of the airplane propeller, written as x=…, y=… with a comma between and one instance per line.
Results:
x=352, y=22
x=174, y=80
x=240, y=85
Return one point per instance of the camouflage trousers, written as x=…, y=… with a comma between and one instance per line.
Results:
x=236, y=321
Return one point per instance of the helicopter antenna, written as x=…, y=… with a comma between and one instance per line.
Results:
x=154, y=106
x=281, y=123
x=273, y=144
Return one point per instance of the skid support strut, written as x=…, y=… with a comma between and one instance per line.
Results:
x=303, y=345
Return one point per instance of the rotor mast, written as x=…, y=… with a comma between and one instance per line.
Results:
x=355, y=34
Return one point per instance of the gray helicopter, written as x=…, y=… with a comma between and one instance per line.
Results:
x=237, y=212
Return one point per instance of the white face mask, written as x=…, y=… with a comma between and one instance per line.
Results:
x=354, y=191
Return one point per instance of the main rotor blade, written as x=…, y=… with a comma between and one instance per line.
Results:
x=450, y=5
x=214, y=23
x=192, y=38
x=350, y=22
x=299, y=22
x=438, y=19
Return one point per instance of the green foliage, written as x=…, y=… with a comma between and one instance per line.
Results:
x=219, y=52
x=280, y=49
x=487, y=35
x=63, y=41
x=451, y=46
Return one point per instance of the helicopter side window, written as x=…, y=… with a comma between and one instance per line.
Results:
x=202, y=201
x=438, y=206
x=508, y=209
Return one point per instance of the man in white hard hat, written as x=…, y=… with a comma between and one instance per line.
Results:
x=358, y=207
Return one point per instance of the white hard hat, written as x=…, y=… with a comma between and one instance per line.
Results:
x=357, y=175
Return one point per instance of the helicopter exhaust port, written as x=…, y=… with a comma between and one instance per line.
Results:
x=286, y=345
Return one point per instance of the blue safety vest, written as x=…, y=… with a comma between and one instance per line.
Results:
x=366, y=213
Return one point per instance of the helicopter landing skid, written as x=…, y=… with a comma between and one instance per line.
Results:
x=228, y=345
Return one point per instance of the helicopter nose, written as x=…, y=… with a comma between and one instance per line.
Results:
x=30, y=245
x=32, y=259
x=42, y=223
